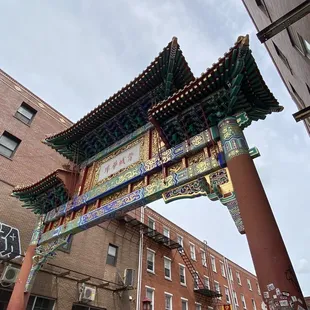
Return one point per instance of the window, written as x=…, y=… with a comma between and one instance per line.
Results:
x=253, y=304
x=235, y=298
x=223, y=269
x=150, y=295
x=112, y=255
x=203, y=258
x=180, y=240
x=243, y=301
x=207, y=282
x=249, y=284
x=151, y=224
x=34, y=303
x=213, y=264
x=184, y=304
x=182, y=275
x=8, y=144
x=40, y=303
x=230, y=274
x=197, y=306
x=238, y=278
x=298, y=98
x=150, y=260
x=193, y=251
x=217, y=288
x=166, y=232
x=227, y=296
x=168, y=301
x=258, y=289
x=282, y=56
x=196, y=281
x=25, y=113
x=167, y=266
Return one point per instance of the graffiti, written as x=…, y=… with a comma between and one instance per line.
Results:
x=9, y=242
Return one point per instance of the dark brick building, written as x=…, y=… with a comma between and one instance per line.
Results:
x=283, y=26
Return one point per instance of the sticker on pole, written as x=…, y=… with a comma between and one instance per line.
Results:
x=9, y=242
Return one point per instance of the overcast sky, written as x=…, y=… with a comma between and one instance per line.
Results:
x=75, y=54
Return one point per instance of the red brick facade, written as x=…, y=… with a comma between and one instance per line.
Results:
x=161, y=285
x=294, y=71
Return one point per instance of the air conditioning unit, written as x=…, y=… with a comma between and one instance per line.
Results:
x=9, y=274
x=87, y=293
x=129, y=277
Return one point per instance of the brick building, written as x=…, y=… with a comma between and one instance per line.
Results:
x=166, y=278
x=24, y=123
x=283, y=26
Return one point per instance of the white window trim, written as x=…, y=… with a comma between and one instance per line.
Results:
x=238, y=278
x=171, y=295
x=217, y=282
x=230, y=274
x=184, y=299
x=182, y=239
x=153, y=295
x=183, y=284
x=243, y=301
x=222, y=264
x=148, y=270
x=258, y=289
x=228, y=294
x=151, y=218
x=202, y=251
x=196, y=287
x=167, y=228
x=206, y=277
x=235, y=295
x=213, y=257
x=190, y=252
x=198, y=304
x=249, y=284
x=169, y=259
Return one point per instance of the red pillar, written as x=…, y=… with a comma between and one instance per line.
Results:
x=20, y=296
x=273, y=267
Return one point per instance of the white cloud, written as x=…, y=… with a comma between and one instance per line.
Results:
x=303, y=266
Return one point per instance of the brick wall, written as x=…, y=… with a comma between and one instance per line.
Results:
x=161, y=285
x=34, y=160
x=298, y=76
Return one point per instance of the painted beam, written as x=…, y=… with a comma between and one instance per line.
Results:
x=133, y=200
x=195, y=144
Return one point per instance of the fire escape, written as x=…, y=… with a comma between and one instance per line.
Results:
x=161, y=239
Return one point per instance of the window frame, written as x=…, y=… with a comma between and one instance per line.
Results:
x=148, y=250
x=13, y=138
x=258, y=289
x=186, y=303
x=167, y=259
x=213, y=267
x=238, y=278
x=222, y=267
x=235, y=298
x=198, y=306
x=30, y=109
x=249, y=284
x=203, y=257
x=196, y=281
x=151, y=289
x=230, y=274
x=253, y=304
x=170, y=296
x=226, y=290
x=208, y=281
x=42, y=297
x=194, y=257
x=243, y=301
x=168, y=230
x=115, y=257
x=184, y=268
x=217, y=284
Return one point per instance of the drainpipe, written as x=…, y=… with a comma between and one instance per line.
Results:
x=138, y=303
x=230, y=288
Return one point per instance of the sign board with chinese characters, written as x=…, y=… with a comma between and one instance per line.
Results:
x=9, y=242
x=119, y=162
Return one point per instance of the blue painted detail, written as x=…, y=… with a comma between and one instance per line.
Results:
x=221, y=159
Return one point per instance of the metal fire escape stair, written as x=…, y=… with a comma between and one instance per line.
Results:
x=201, y=289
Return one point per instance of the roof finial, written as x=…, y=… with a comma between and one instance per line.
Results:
x=243, y=40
